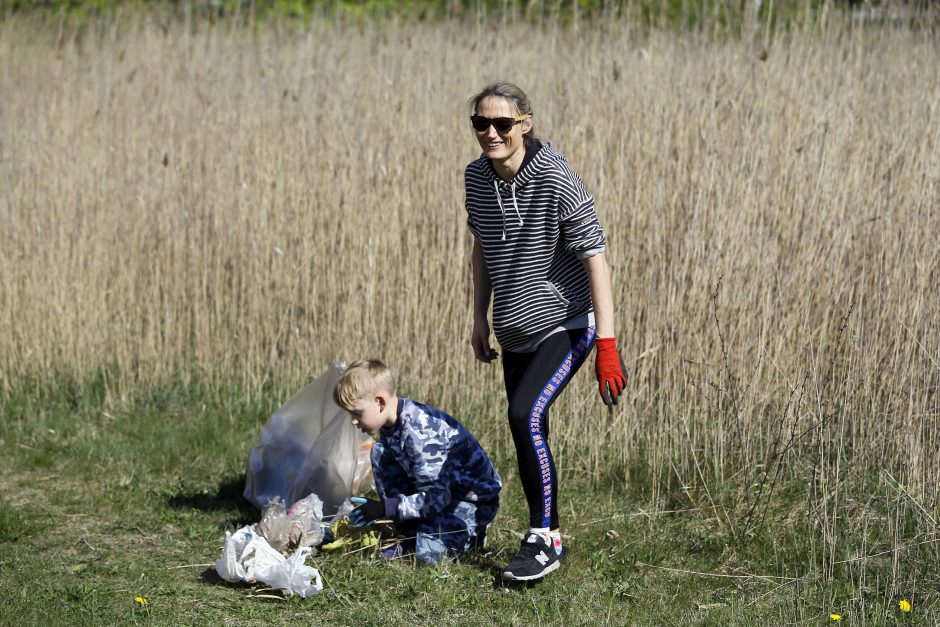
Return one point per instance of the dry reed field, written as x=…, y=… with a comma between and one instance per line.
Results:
x=222, y=203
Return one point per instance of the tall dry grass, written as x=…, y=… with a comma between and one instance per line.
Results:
x=183, y=201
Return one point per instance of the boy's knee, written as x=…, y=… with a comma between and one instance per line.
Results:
x=429, y=549
x=486, y=512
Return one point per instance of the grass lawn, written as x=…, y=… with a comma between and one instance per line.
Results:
x=100, y=506
x=194, y=201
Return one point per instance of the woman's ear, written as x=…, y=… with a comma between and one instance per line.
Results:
x=527, y=125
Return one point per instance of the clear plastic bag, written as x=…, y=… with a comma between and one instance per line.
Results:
x=309, y=446
x=362, y=476
x=330, y=468
x=288, y=437
x=307, y=516
x=299, y=525
x=275, y=526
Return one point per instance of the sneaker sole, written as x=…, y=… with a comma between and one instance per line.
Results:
x=550, y=568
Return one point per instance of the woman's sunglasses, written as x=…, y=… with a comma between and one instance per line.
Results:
x=502, y=125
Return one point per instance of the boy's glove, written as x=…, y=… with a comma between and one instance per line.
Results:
x=368, y=511
x=610, y=370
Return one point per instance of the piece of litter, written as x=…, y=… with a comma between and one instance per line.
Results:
x=248, y=557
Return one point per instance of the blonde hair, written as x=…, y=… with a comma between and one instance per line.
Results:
x=362, y=379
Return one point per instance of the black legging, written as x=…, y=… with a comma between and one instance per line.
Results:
x=533, y=382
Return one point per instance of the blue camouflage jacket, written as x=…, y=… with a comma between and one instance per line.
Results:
x=439, y=456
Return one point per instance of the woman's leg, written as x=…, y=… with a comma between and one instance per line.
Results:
x=533, y=382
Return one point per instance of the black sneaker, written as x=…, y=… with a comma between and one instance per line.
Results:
x=534, y=560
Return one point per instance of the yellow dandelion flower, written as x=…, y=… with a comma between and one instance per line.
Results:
x=140, y=600
x=904, y=605
x=835, y=616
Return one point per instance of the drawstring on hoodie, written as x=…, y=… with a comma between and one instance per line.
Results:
x=502, y=209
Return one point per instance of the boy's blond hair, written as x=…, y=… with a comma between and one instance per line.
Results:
x=363, y=379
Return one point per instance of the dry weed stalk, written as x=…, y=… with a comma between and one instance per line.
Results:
x=248, y=204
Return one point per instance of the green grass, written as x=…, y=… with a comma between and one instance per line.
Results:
x=103, y=501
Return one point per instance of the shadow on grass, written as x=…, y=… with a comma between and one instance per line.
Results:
x=211, y=577
x=501, y=583
x=228, y=497
x=490, y=562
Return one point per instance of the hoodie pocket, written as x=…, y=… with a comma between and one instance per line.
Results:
x=553, y=289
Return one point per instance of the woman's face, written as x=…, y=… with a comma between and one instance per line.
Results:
x=501, y=146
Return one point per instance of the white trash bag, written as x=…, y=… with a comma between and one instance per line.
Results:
x=308, y=446
x=330, y=466
x=229, y=566
x=292, y=576
x=248, y=557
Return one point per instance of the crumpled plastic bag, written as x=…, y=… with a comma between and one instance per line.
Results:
x=244, y=552
x=248, y=557
x=229, y=565
x=292, y=576
x=299, y=525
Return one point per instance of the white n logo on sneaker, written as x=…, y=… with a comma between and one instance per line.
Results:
x=541, y=558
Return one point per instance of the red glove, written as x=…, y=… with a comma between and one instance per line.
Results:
x=610, y=370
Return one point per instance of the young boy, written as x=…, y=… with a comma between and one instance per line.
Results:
x=433, y=478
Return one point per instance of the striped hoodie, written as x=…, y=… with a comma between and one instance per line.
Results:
x=535, y=230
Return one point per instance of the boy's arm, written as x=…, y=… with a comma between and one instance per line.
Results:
x=391, y=480
x=429, y=447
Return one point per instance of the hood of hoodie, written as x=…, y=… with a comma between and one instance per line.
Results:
x=526, y=173
x=528, y=170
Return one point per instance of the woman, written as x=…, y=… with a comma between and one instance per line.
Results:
x=538, y=252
